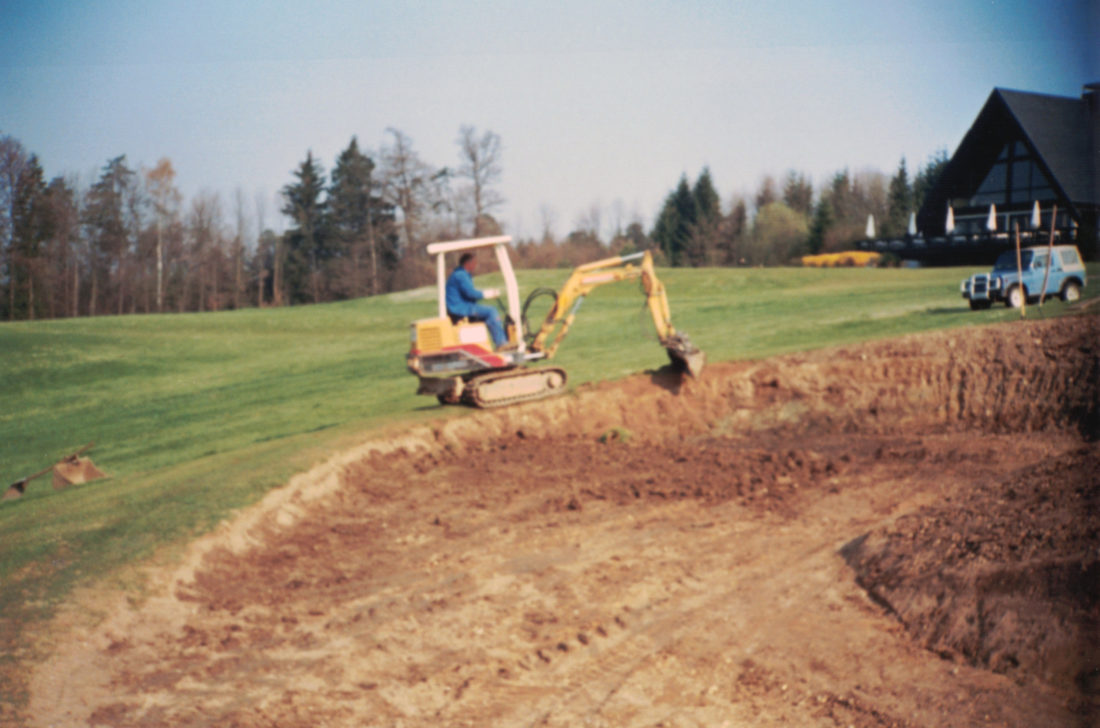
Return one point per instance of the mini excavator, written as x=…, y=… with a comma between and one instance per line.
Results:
x=454, y=357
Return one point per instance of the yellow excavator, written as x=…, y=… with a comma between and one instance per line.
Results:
x=455, y=360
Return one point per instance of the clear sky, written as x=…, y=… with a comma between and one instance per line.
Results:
x=597, y=102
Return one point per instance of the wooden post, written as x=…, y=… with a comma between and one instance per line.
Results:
x=1020, y=276
x=1050, y=258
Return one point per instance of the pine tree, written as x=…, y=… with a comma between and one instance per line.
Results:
x=349, y=210
x=823, y=220
x=63, y=226
x=899, y=203
x=928, y=176
x=28, y=215
x=105, y=218
x=361, y=224
x=707, y=205
x=798, y=193
x=766, y=194
x=842, y=199
x=703, y=242
x=306, y=242
x=674, y=225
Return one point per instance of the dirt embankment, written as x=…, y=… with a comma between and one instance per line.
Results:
x=897, y=534
x=1007, y=577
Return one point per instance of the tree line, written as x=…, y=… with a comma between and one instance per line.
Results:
x=129, y=243
x=784, y=221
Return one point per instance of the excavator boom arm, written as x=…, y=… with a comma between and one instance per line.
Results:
x=587, y=277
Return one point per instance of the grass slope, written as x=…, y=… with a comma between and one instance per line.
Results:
x=196, y=415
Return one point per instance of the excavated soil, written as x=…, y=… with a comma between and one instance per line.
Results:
x=903, y=533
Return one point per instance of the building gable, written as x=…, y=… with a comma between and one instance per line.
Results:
x=1022, y=147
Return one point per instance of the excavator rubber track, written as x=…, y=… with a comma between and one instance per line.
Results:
x=501, y=388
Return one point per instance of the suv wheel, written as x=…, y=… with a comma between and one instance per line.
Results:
x=1015, y=296
x=980, y=305
x=1071, y=292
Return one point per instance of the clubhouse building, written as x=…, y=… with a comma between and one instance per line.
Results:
x=1026, y=155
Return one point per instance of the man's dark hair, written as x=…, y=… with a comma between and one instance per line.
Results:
x=466, y=258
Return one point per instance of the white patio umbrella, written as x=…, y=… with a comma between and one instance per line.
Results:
x=912, y=224
x=1036, y=218
x=991, y=221
x=870, y=231
x=949, y=227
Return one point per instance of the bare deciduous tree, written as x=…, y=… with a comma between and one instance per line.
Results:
x=407, y=182
x=204, y=224
x=590, y=222
x=166, y=202
x=480, y=164
x=261, y=273
x=240, y=233
x=547, y=218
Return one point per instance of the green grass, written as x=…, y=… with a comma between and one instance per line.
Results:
x=195, y=416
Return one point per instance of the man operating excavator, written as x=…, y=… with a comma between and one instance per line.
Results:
x=456, y=361
x=462, y=299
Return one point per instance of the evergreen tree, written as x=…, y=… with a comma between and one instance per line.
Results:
x=842, y=198
x=29, y=230
x=306, y=243
x=105, y=220
x=362, y=225
x=674, y=225
x=703, y=243
x=349, y=220
x=12, y=159
x=63, y=247
x=823, y=220
x=798, y=193
x=766, y=194
x=707, y=205
x=928, y=176
x=899, y=203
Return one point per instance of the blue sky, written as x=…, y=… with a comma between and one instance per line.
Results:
x=598, y=103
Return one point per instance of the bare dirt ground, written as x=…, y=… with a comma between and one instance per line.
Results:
x=903, y=533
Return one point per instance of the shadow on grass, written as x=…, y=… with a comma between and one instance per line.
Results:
x=943, y=310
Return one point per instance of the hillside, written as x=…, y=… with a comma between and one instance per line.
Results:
x=899, y=533
x=198, y=416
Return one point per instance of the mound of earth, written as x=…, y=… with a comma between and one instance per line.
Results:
x=901, y=533
x=1006, y=577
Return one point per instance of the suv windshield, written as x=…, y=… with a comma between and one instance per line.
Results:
x=1007, y=261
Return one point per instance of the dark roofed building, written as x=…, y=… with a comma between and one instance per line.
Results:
x=1022, y=148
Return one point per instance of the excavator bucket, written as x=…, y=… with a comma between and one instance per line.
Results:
x=685, y=355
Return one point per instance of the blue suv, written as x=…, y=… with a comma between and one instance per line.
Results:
x=1066, y=277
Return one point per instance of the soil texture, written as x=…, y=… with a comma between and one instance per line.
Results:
x=902, y=533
